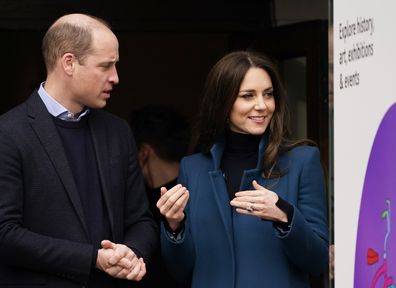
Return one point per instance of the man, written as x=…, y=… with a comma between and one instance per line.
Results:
x=162, y=137
x=73, y=208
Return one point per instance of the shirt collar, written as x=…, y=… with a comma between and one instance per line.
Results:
x=58, y=110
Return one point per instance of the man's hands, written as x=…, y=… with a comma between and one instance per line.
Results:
x=119, y=261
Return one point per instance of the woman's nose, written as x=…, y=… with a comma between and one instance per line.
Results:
x=260, y=103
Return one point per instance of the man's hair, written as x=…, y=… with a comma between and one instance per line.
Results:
x=164, y=129
x=63, y=37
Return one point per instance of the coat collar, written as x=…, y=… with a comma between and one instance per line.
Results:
x=217, y=151
x=219, y=185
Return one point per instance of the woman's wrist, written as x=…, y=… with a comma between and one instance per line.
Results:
x=174, y=225
x=282, y=217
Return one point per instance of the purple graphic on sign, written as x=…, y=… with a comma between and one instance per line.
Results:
x=375, y=259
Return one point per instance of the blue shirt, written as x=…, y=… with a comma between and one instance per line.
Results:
x=58, y=110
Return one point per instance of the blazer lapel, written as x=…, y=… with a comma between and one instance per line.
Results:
x=101, y=149
x=44, y=127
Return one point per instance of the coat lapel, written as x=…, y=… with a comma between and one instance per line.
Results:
x=45, y=129
x=222, y=200
x=220, y=190
x=101, y=148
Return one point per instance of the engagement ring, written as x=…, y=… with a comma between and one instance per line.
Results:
x=250, y=208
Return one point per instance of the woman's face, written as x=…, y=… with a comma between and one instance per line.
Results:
x=253, y=108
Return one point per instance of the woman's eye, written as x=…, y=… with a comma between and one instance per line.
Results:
x=269, y=94
x=246, y=95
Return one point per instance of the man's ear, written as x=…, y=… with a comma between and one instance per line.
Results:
x=68, y=61
x=144, y=153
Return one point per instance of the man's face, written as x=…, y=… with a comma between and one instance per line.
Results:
x=95, y=76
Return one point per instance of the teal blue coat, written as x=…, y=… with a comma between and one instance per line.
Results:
x=222, y=248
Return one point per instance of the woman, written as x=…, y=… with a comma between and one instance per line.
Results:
x=250, y=209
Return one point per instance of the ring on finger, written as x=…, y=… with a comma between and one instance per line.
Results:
x=250, y=208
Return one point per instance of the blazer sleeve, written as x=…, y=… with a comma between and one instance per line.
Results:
x=179, y=255
x=306, y=244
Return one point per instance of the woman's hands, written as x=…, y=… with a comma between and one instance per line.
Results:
x=172, y=203
x=260, y=202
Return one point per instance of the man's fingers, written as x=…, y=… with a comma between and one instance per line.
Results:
x=134, y=272
x=117, y=271
x=125, y=263
x=138, y=271
x=107, y=244
x=121, y=251
x=142, y=271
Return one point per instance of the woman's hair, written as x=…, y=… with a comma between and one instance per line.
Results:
x=220, y=92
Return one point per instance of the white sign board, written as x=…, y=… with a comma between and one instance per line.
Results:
x=364, y=40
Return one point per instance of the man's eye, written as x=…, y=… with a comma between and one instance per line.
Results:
x=106, y=66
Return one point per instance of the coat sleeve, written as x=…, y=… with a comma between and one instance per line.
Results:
x=306, y=244
x=179, y=255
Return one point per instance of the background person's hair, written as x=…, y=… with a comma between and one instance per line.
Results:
x=219, y=94
x=164, y=129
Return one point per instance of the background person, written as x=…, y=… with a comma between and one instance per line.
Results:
x=251, y=207
x=162, y=136
x=73, y=209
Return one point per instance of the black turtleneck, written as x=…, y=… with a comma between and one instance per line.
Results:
x=240, y=153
